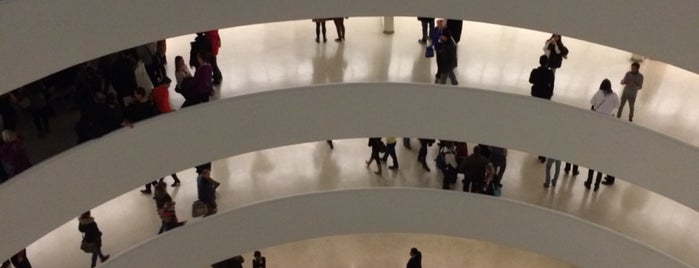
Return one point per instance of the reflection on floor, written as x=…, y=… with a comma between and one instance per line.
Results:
x=392, y=250
x=261, y=57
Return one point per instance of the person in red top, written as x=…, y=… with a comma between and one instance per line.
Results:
x=161, y=96
x=215, y=41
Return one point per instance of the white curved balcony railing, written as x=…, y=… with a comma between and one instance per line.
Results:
x=511, y=223
x=664, y=30
x=290, y=116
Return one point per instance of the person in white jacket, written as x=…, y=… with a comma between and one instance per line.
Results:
x=605, y=101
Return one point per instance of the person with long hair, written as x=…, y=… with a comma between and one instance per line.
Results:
x=555, y=51
x=605, y=101
x=92, y=236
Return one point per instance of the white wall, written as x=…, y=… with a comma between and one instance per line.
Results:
x=93, y=173
x=39, y=37
x=386, y=210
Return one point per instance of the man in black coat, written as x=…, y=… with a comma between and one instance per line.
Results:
x=473, y=168
x=415, y=259
x=201, y=44
x=446, y=60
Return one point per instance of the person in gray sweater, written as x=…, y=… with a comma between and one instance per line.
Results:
x=633, y=82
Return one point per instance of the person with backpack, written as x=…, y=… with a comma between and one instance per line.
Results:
x=92, y=238
x=377, y=147
x=446, y=162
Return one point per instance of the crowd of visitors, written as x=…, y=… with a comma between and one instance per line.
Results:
x=124, y=88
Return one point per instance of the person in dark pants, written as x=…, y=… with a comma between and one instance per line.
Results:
x=541, y=79
x=422, y=154
x=206, y=191
x=340, y=27
x=555, y=51
x=449, y=171
x=376, y=147
x=415, y=259
x=92, y=235
x=259, y=261
x=391, y=151
x=427, y=25
x=18, y=260
x=498, y=157
x=320, y=27
x=455, y=27
x=446, y=59
x=406, y=143
x=436, y=41
x=203, y=75
x=473, y=169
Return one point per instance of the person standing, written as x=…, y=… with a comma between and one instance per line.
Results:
x=550, y=162
x=340, y=27
x=376, y=148
x=427, y=26
x=541, y=79
x=215, y=42
x=92, y=236
x=391, y=151
x=605, y=101
x=415, y=260
x=446, y=59
x=555, y=51
x=259, y=261
x=18, y=260
x=206, y=191
x=448, y=155
x=473, y=169
x=203, y=87
x=320, y=25
x=633, y=82
x=435, y=41
x=455, y=27
x=201, y=44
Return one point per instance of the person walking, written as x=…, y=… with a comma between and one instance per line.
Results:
x=422, y=153
x=92, y=237
x=391, y=151
x=633, y=82
x=498, y=157
x=376, y=148
x=605, y=101
x=446, y=162
x=435, y=41
x=473, y=168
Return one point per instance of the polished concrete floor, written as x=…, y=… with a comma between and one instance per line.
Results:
x=260, y=57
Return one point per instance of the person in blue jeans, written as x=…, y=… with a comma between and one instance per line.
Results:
x=550, y=162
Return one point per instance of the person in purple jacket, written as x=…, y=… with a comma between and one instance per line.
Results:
x=203, y=78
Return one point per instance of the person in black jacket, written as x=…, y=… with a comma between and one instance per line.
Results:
x=259, y=261
x=542, y=83
x=201, y=44
x=415, y=259
x=377, y=147
x=555, y=51
x=542, y=80
x=422, y=154
x=446, y=59
x=206, y=191
x=455, y=27
x=93, y=235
